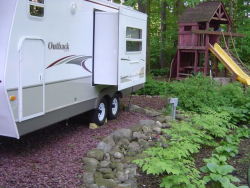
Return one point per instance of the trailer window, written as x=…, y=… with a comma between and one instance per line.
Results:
x=36, y=8
x=133, y=39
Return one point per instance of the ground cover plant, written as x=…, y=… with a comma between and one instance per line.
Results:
x=216, y=113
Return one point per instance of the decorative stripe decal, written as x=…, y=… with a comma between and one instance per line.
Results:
x=52, y=64
x=84, y=66
x=74, y=60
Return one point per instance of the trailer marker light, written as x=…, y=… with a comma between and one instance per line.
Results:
x=12, y=98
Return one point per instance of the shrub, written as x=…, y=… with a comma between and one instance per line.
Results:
x=153, y=87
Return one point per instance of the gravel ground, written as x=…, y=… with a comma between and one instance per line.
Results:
x=51, y=157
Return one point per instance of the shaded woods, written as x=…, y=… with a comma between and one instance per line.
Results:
x=163, y=29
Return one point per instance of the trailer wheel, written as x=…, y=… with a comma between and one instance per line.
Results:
x=113, y=107
x=100, y=114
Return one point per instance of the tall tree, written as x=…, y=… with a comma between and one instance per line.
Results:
x=144, y=6
x=234, y=20
x=163, y=34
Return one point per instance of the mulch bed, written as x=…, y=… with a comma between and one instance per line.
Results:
x=51, y=157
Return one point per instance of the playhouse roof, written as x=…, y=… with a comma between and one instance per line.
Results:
x=203, y=12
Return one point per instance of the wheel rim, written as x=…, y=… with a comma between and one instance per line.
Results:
x=102, y=112
x=114, y=106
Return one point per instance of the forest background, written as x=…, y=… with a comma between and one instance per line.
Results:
x=162, y=36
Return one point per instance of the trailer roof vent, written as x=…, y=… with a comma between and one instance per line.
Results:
x=36, y=9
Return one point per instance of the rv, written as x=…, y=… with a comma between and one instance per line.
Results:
x=61, y=58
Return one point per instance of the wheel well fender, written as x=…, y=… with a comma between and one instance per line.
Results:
x=106, y=93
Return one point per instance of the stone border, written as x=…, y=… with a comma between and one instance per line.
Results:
x=110, y=165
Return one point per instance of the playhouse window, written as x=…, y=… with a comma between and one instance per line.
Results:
x=36, y=8
x=133, y=39
x=187, y=28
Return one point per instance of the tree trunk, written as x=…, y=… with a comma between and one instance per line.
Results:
x=231, y=10
x=234, y=20
x=163, y=54
x=145, y=8
x=178, y=8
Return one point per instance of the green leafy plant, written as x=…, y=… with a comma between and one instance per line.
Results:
x=159, y=72
x=153, y=87
x=219, y=172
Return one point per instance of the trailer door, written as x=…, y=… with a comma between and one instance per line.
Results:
x=31, y=85
x=132, y=48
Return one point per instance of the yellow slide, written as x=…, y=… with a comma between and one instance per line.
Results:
x=229, y=63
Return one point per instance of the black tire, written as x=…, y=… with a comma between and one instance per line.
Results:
x=99, y=115
x=113, y=107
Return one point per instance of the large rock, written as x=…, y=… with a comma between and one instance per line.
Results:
x=104, y=164
x=110, y=183
x=135, y=108
x=168, y=118
x=137, y=135
x=157, y=130
x=131, y=171
x=122, y=133
x=88, y=178
x=134, y=146
x=106, y=157
x=105, y=170
x=166, y=126
x=118, y=155
x=136, y=127
x=159, y=124
x=90, y=164
x=109, y=140
x=180, y=117
x=103, y=146
x=123, y=186
x=147, y=123
x=106, y=144
x=143, y=143
x=122, y=176
x=119, y=166
x=124, y=142
x=109, y=176
x=96, y=153
x=160, y=119
x=92, y=186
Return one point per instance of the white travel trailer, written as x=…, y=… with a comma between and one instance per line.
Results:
x=60, y=58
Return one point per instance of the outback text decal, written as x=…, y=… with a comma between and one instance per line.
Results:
x=58, y=46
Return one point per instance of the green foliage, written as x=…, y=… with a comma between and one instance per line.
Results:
x=159, y=72
x=153, y=87
x=217, y=168
x=201, y=95
x=219, y=171
x=187, y=139
x=197, y=92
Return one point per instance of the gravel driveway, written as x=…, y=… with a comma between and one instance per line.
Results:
x=51, y=157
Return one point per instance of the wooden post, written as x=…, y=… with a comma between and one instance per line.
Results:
x=228, y=30
x=216, y=67
x=195, y=61
x=178, y=64
x=234, y=77
x=206, y=51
